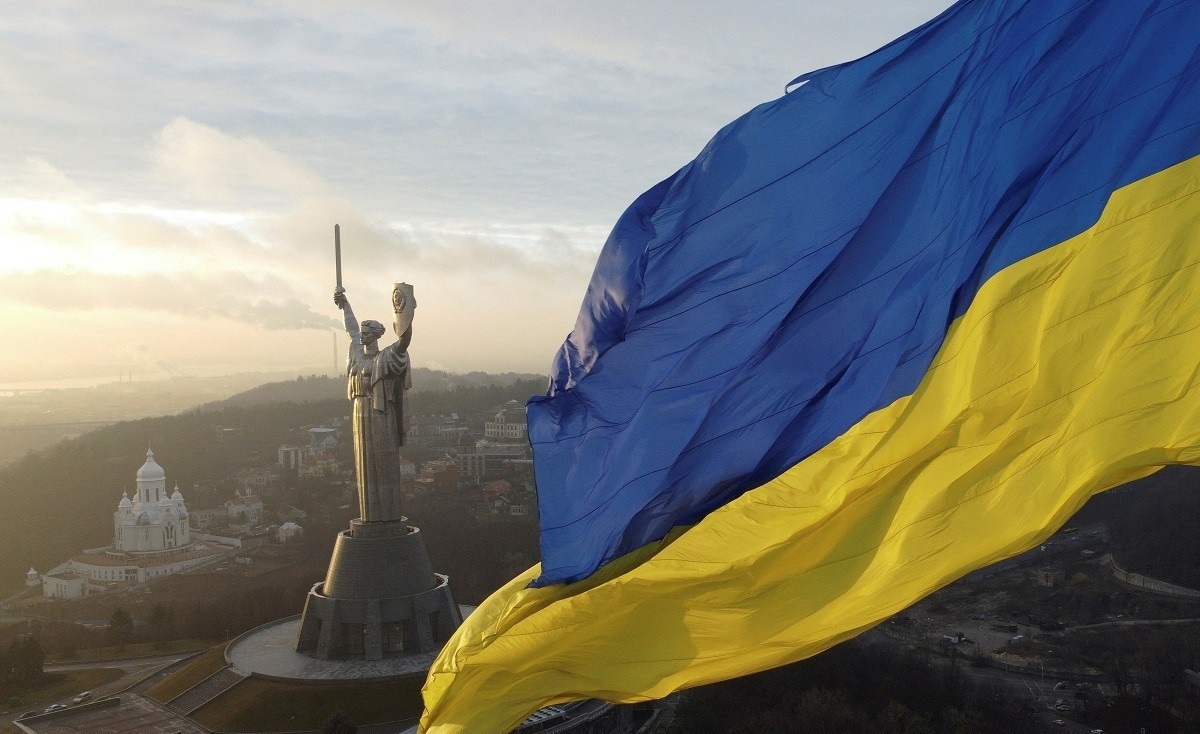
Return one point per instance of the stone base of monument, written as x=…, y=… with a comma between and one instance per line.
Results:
x=380, y=598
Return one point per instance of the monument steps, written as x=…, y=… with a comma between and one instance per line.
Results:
x=205, y=691
x=158, y=675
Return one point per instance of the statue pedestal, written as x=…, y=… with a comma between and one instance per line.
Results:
x=380, y=597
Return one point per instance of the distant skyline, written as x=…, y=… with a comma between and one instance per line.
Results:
x=171, y=172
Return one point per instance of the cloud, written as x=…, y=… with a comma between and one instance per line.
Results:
x=39, y=178
x=216, y=166
x=229, y=295
x=531, y=256
x=192, y=159
x=287, y=248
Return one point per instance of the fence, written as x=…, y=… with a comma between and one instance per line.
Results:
x=1145, y=582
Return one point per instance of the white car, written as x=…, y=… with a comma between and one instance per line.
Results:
x=82, y=697
x=1059, y=722
x=55, y=707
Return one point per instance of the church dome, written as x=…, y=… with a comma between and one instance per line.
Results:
x=125, y=504
x=151, y=471
x=176, y=496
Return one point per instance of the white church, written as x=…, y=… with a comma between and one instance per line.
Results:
x=152, y=522
x=151, y=538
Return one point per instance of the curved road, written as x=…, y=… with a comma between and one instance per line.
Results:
x=133, y=669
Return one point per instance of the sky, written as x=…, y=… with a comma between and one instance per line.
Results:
x=170, y=172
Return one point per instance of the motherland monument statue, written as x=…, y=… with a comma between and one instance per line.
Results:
x=380, y=597
x=377, y=380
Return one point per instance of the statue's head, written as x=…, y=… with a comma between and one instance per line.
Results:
x=371, y=331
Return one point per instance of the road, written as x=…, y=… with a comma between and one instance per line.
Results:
x=1038, y=689
x=133, y=669
x=129, y=665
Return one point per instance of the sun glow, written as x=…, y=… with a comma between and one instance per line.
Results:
x=106, y=238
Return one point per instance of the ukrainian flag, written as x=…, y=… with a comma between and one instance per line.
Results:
x=890, y=328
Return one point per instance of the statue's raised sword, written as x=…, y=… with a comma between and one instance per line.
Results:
x=337, y=253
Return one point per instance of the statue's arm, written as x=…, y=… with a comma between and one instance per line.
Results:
x=404, y=340
x=352, y=328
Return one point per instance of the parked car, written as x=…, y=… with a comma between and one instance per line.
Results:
x=1062, y=707
x=82, y=697
x=55, y=707
x=1061, y=686
x=27, y=714
x=1059, y=722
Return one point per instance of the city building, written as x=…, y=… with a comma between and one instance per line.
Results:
x=508, y=424
x=201, y=519
x=440, y=475
x=151, y=539
x=291, y=457
x=152, y=520
x=288, y=531
x=499, y=500
x=437, y=432
x=258, y=478
x=477, y=460
x=244, y=508
x=322, y=438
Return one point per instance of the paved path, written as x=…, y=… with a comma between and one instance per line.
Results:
x=133, y=668
x=1134, y=623
x=135, y=714
x=126, y=664
x=269, y=650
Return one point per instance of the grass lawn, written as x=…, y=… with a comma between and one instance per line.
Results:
x=189, y=675
x=60, y=685
x=266, y=706
x=137, y=650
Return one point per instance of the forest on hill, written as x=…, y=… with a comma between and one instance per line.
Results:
x=58, y=501
x=1152, y=524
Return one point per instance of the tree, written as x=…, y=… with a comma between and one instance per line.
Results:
x=896, y=718
x=24, y=660
x=120, y=627
x=339, y=723
x=161, y=622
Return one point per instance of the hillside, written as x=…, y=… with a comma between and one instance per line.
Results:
x=325, y=387
x=59, y=500
x=1153, y=524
